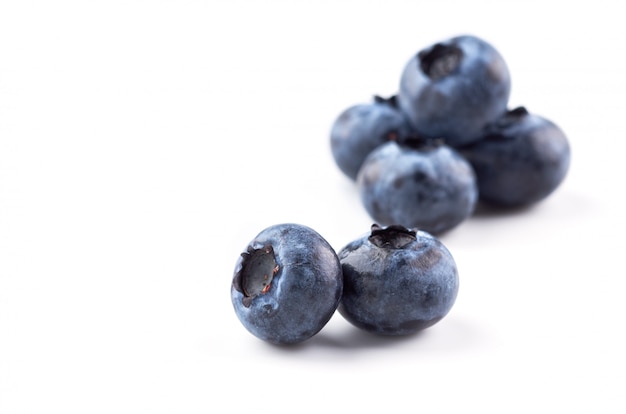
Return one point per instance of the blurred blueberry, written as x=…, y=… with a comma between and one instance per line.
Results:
x=418, y=183
x=453, y=88
x=287, y=284
x=361, y=128
x=521, y=159
x=397, y=281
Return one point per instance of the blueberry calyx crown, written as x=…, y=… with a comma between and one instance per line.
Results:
x=495, y=130
x=440, y=60
x=258, y=269
x=391, y=237
x=391, y=101
x=512, y=116
x=421, y=143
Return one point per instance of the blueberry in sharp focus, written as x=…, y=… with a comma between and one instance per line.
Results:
x=287, y=284
x=453, y=88
x=363, y=127
x=418, y=183
x=397, y=281
x=521, y=159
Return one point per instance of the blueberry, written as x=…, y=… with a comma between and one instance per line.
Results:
x=418, y=183
x=521, y=159
x=287, y=284
x=453, y=88
x=397, y=281
x=361, y=128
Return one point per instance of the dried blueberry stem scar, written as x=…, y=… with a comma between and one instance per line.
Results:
x=257, y=272
x=391, y=237
x=440, y=60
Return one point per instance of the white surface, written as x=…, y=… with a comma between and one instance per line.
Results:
x=144, y=143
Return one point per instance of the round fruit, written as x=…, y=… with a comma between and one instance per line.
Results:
x=361, y=128
x=397, y=281
x=522, y=159
x=418, y=183
x=452, y=89
x=287, y=284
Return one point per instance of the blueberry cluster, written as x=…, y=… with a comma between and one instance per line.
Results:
x=422, y=159
x=425, y=157
x=392, y=281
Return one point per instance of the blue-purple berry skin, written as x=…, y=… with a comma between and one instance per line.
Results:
x=454, y=88
x=430, y=187
x=522, y=159
x=397, y=281
x=286, y=284
x=361, y=128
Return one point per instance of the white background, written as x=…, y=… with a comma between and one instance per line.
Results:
x=144, y=143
